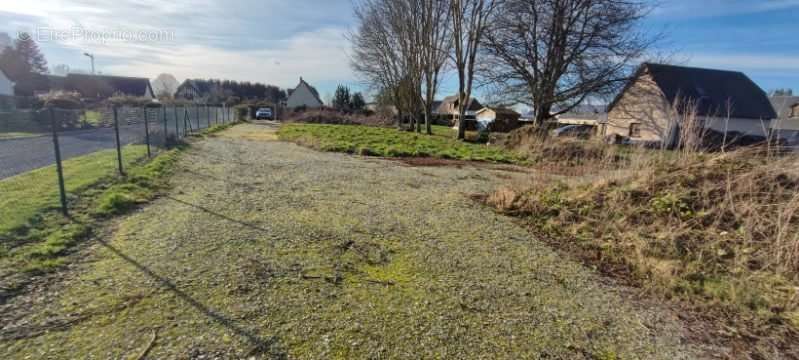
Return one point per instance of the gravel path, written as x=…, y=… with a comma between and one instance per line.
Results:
x=268, y=250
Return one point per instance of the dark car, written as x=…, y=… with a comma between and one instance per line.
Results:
x=264, y=114
x=578, y=131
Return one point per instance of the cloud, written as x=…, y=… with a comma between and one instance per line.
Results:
x=747, y=62
x=272, y=41
x=317, y=56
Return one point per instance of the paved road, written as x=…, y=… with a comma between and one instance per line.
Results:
x=25, y=154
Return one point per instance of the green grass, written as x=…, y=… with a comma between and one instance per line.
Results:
x=27, y=196
x=375, y=141
x=92, y=118
x=36, y=237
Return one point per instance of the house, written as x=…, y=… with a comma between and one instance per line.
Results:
x=660, y=99
x=196, y=90
x=447, y=112
x=498, y=119
x=592, y=115
x=6, y=85
x=786, y=126
x=101, y=86
x=304, y=95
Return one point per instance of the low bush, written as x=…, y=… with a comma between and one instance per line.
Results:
x=541, y=148
x=332, y=117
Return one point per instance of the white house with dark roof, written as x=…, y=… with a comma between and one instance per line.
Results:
x=304, y=95
x=6, y=85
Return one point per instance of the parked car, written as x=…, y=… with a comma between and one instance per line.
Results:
x=264, y=114
x=579, y=131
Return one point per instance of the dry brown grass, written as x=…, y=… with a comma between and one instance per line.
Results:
x=719, y=232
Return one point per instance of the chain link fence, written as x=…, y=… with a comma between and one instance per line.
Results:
x=63, y=150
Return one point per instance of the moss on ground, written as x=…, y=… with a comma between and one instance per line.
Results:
x=268, y=250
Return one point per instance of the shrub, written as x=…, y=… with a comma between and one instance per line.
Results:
x=332, y=117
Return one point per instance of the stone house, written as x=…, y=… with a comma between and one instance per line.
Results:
x=660, y=99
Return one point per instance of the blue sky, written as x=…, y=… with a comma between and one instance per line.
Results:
x=277, y=41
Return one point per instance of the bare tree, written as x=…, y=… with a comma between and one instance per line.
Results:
x=555, y=54
x=435, y=46
x=165, y=85
x=380, y=51
x=400, y=47
x=469, y=22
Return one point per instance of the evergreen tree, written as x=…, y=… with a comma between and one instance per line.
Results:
x=341, y=99
x=28, y=51
x=358, y=103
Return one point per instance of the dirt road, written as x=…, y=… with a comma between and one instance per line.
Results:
x=269, y=250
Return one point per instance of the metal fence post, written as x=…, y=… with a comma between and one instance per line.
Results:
x=119, y=146
x=177, y=124
x=147, y=132
x=59, y=168
x=197, y=112
x=166, y=130
x=208, y=115
x=186, y=122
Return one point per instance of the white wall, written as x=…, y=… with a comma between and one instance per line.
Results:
x=6, y=86
x=302, y=96
x=785, y=124
x=486, y=116
x=745, y=126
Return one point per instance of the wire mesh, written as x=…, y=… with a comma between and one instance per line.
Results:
x=92, y=142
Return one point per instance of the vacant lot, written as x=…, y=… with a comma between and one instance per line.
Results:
x=270, y=250
x=381, y=141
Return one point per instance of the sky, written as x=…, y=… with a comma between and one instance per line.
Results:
x=279, y=41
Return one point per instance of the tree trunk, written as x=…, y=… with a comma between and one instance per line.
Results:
x=427, y=121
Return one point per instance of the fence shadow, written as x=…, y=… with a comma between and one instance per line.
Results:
x=261, y=346
x=216, y=214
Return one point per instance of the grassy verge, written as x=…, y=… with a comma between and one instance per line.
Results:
x=36, y=237
x=718, y=232
x=376, y=141
x=28, y=196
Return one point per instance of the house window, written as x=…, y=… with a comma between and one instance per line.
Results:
x=635, y=130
